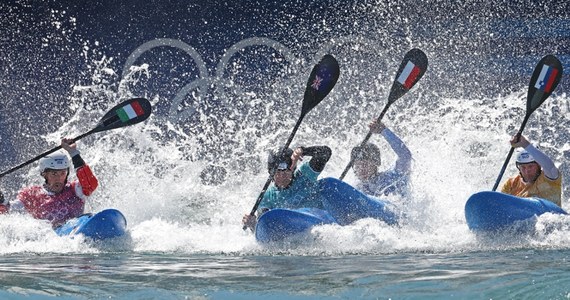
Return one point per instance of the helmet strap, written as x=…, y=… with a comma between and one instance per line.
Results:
x=46, y=182
x=535, y=177
x=293, y=177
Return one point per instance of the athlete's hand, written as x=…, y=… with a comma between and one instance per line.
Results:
x=249, y=221
x=70, y=146
x=519, y=141
x=296, y=156
x=376, y=127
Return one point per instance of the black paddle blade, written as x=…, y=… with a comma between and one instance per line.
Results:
x=544, y=80
x=127, y=113
x=412, y=68
x=321, y=81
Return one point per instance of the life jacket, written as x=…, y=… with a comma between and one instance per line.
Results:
x=56, y=208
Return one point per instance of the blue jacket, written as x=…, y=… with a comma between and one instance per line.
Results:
x=393, y=181
x=303, y=191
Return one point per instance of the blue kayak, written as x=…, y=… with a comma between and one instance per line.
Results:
x=347, y=204
x=343, y=205
x=106, y=224
x=278, y=224
x=493, y=211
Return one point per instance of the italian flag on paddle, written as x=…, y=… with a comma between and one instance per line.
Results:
x=130, y=111
x=409, y=75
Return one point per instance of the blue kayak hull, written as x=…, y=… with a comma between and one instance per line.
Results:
x=278, y=224
x=493, y=211
x=109, y=223
x=343, y=205
x=347, y=204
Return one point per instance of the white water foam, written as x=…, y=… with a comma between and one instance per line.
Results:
x=152, y=171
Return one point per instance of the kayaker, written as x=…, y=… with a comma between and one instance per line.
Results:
x=293, y=187
x=367, y=160
x=538, y=176
x=58, y=199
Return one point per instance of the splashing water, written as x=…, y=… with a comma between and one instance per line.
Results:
x=187, y=175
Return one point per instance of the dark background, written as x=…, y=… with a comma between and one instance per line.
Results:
x=49, y=47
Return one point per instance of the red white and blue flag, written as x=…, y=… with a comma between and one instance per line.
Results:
x=409, y=75
x=546, y=78
x=317, y=83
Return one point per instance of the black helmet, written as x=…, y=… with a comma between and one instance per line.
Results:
x=278, y=161
x=366, y=152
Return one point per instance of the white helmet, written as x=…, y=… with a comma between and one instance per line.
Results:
x=525, y=158
x=55, y=161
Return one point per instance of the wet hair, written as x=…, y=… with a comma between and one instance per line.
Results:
x=367, y=152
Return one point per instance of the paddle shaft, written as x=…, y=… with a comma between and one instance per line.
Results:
x=43, y=154
x=126, y=113
x=510, y=153
x=289, y=140
x=545, y=78
x=323, y=77
x=351, y=162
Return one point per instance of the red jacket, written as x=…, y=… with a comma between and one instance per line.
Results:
x=60, y=207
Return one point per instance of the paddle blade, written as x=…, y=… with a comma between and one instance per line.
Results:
x=544, y=80
x=412, y=68
x=321, y=81
x=127, y=113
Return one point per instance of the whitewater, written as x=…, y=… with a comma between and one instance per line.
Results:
x=185, y=177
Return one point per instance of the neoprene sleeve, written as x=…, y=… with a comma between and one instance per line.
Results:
x=320, y=155
x=77, y=161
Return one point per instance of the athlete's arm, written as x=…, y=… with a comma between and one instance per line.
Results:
x=404, y=162
x=87, y=179
x=320, y=155
x=548, y=167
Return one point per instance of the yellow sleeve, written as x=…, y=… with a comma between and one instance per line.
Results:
x=506, y=188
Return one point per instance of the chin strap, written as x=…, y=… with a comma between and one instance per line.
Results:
x=535, y=177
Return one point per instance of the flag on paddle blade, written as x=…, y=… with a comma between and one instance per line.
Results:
x=317, y=82
x=409, y=75
x=130, y=111
x=323, y=80
x=546, y=78
x=324, y=76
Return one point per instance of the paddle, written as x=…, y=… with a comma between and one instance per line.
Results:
x=544, y=80
x=127, y=113
x=321, y=81
x=412, y=68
